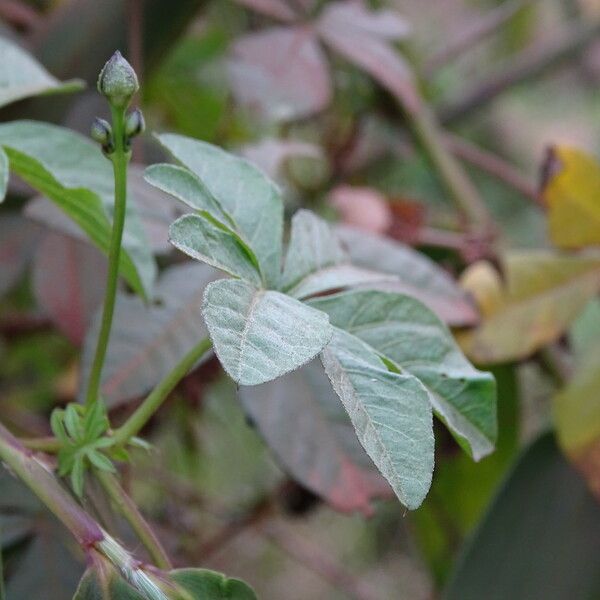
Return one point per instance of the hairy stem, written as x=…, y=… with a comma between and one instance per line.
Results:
x=150, y=405
x=38, y=477
x=120, y=159
x=133, y=516
x=42, y=482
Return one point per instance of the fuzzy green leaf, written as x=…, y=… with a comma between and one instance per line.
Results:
x=71, y=171
x=22, y=76
x=407, y=333
x=184, y=185
x=390, y=413
x=251, y=198
x=313, y=247
x=215, y=244
x=259, y=335
x=317, y=263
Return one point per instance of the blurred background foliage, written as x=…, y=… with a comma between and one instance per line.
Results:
x=506, y=80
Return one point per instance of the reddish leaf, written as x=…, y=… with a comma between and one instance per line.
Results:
x=281, y=73
x=148, y=341
x=363, y=38
x=309, y=431
x=68, y=282
x=18, y=240
x=276, y=9
x=356, y=17
x=362, y=207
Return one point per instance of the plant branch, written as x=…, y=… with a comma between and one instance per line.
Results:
x=494, y=165
x=120, y=158
x=133, y=516
x=42, y=482
x=314, y=558
x=150, y=405
x=49, y=444
x=39, y=478
x=531, y=64
x=464, y=41
x=455, y=180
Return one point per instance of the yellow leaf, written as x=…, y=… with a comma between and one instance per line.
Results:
x=572, y=195
x=531, y=305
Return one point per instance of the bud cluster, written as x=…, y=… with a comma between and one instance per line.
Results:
x=118, y=83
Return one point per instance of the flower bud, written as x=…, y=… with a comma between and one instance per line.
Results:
x=101, y=132
x=118, y=81
x=134, y=124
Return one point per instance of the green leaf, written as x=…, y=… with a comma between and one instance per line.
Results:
x=390, y=412
x=22, y=76
x=308, y=430
x=317, y=263
x=187, y=187
x=313, y=247
x=100, y=461
x=416, y=275
x=72, y=172
x=407, y=333
x=203, y=584
x=539, y=539
x=4, y=170
x=208, y=241
x=259, y=335
x=252, y=200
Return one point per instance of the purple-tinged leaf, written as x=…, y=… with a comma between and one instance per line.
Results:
x=281, y=73
x=68, y=281
x=364, y=39
x=276, y=9
x=310, y=433
x=147, y=341
x=355, y=16
x=18, y=241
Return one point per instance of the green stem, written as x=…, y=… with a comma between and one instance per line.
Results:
x=455, y=180
x=49, y=444
x=41, y=481
x=120, y=158
x=38, y=477
x=133, y=516
x=150, y=405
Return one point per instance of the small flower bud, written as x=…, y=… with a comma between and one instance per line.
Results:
x=134, y=124
x=101, y=132
x=118, y=81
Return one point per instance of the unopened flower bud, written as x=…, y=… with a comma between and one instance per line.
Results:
x=101, y=132
x=134, y=124
x=118, y=81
